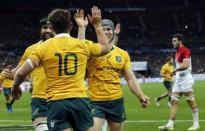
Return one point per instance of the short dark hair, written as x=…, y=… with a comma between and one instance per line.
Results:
x=168, y=58
x=60, y=20
x=179, y=37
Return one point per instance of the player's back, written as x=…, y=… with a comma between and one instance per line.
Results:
x=64, y=60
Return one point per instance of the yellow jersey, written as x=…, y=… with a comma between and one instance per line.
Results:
x=167, y=70
x=64, y=61
x=37, y=76
x=6, y=83
x=104, y=75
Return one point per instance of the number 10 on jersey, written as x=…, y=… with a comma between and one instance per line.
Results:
x=63, y=62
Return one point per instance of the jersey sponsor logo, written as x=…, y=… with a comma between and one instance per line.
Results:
x=104, y=68
x=118, y=58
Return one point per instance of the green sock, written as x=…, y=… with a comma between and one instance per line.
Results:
x=7, y=105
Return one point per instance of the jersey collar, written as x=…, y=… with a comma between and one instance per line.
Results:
x=63, y=35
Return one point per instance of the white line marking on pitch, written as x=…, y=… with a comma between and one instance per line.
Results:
x=156, y=121
x=16, y=109
x=128, y=121
x=17, y=121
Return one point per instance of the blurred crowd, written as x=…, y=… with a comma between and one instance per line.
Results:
x=146, y=31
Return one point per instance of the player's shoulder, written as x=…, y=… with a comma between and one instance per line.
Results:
x=165, y=65
x=184, y=49
x=34, y=45
x=120, y=50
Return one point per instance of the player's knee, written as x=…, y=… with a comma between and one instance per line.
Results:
x=41, y=127
x=190, y=98
x=174, y=98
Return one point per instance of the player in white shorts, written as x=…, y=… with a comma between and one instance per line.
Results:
x=183, y=84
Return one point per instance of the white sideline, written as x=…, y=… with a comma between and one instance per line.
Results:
x=16, y=109
x=128, y=121
x=156, y=121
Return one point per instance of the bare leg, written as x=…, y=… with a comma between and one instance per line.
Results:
x=115, y=126
x=98, y=123
x=192, y=104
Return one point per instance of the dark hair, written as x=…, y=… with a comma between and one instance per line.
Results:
x=168, y=58
x=179, y=37
x=60, y=20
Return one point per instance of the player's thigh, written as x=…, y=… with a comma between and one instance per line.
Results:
x=7, y=91
x=187, y=86
x=98, y=124
x=39, y=108
x=58, y=115
x=115, y=110
x=115, y=126
x=168, y=85
x=82, y=118
x=98, y=109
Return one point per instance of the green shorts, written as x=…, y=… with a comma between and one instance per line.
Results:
x=7, y=91
x=39, y=108
x=168, y=84
x=113, y=110
x=69, y=113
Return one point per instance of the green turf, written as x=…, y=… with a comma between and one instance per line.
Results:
x=152, y=116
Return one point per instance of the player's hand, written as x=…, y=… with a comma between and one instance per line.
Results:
x=7, y=73
x=16, y=93
x=117, y=29
x=144, y=100
x=173, y=73
x=80, y=19
x=95, y=19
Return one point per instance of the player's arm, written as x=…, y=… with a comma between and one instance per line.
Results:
x=116, y=34
x=8, y=72
x=82, y=23
x=135, y=87
x=95, y=20
x=184, y=65
x=20, y=76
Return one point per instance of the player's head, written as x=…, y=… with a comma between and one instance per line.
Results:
x=108, y=28
x=46, y=31
x=177, y=40
x=60, y=20
x=169, y=60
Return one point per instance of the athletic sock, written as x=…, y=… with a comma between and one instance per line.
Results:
x=170, y=123
x=195, y=114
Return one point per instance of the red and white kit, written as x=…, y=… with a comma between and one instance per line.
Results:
x=184, y=80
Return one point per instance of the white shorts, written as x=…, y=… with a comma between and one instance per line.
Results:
x=183, y=85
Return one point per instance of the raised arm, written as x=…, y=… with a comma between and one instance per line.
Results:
x=82, y=23
x=116, y=34
x=95, y=20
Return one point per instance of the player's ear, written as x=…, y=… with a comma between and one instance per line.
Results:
x=71, y=26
